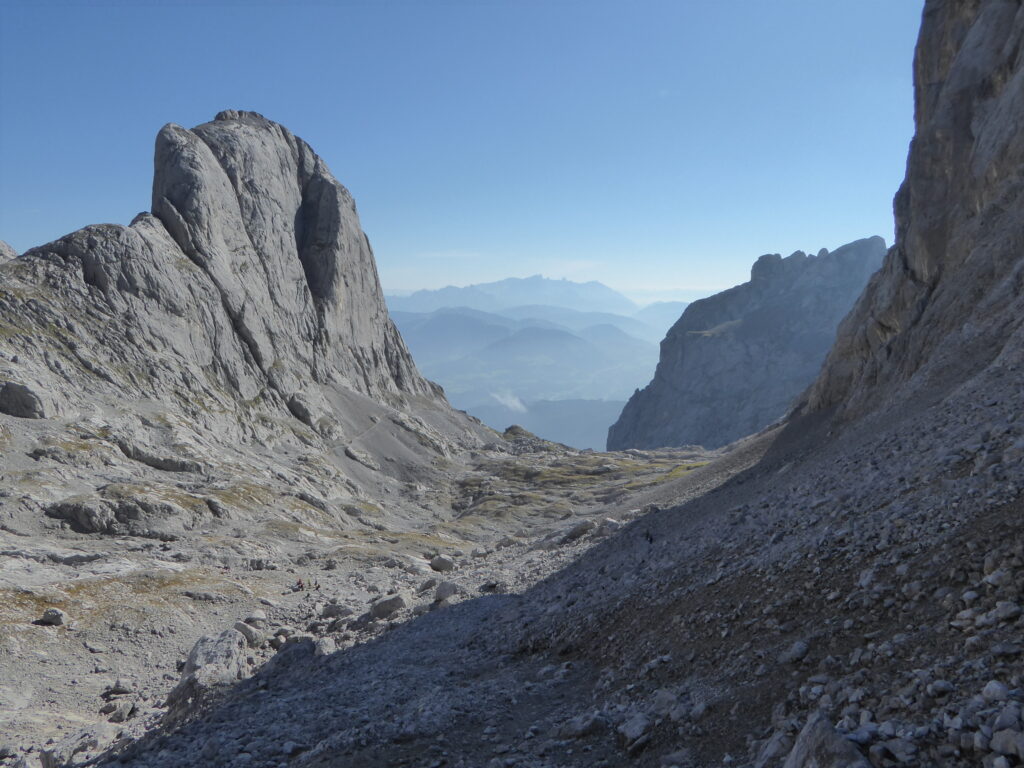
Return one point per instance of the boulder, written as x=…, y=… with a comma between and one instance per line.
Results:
x=388, y=605
x=442, y=563
x=215, y=661
x=446, y=590
x=253, y=636
x=78, y=747
x=335, y=611
x=54, y=617
x=819, y=745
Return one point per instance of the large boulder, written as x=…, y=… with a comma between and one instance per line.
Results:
x=820, y=746
x=215, y=661
x=21, y=401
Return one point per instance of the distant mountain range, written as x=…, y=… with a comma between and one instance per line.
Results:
x=486, y=359
x=518, y=291
x=661, y=314
x=555, y=356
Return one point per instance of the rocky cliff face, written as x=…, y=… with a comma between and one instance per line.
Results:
x=235, y=328
x=734, y=362
x=6, y=252
x=948, y=301
x=252, y=266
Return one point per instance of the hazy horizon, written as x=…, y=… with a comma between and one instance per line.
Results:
x=641, y=298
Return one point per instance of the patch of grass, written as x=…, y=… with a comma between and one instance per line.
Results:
x=96, y=596
x=684, y=469
x=246, y=495
x=674, y=474
x=166, y=493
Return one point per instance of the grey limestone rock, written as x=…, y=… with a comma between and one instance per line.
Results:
x=947, y=302
x=7, y=252
x=54, y=617
x=820, y=746
x=387, y=606
x=214, y=661
x=442, y=563
x=279, y=241
x=252, y=270
x=253, y=636
x=240, y=324
x=21, y=401
x=735, y=362
x=78, y=747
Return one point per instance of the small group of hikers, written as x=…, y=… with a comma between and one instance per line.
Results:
x=302, y=586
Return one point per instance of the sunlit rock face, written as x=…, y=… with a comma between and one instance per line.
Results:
x=734, y=362
x=234, y=329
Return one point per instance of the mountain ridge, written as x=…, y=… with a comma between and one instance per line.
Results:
x=518, y=291
x=734, y=362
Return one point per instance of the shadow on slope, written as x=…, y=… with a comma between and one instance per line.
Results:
x=465, y=680
x=787, y=561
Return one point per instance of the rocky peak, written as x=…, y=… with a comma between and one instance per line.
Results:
x=242, y=318
x=772, y=266
x=279, y=239
x=7, y=252
x=734, y=362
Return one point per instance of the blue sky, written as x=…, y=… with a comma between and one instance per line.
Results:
x=654, y=145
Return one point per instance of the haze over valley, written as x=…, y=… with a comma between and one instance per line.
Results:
x=556, y=357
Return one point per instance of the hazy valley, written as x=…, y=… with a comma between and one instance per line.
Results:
x=523, y=363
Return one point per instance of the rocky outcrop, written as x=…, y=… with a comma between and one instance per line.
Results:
x=252, y=266
x=820, y=746
x=6, y=252
x=238, y=326
x=734, y=362
x=20, y=401
x=948, y=302
x=214, y=661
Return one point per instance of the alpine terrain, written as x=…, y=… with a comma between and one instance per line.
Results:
x=240, y=529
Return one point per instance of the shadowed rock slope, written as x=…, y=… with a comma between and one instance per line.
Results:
x=734, y=362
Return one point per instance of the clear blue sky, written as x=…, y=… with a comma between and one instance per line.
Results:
x=650, y=144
